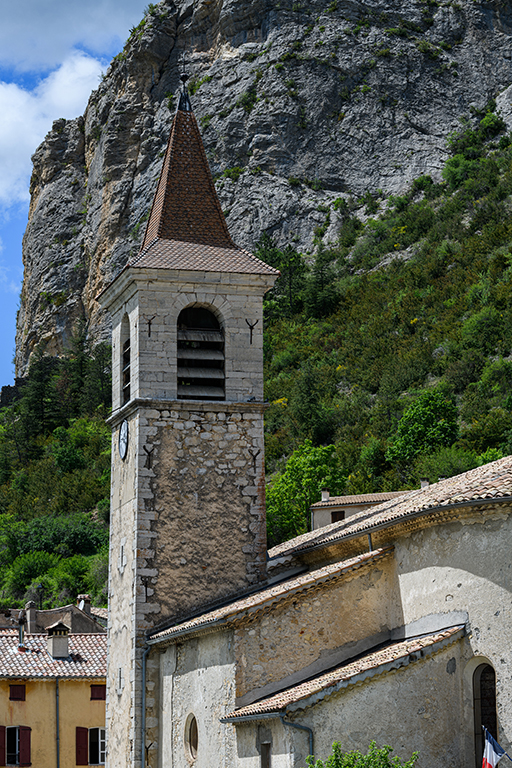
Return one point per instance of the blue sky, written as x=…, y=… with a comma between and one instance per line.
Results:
x=52, y=55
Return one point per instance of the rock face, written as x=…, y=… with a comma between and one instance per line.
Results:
x=299, y=103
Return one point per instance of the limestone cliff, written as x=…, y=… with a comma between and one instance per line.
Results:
x=299, y=103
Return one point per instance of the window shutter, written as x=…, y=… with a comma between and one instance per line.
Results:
x=2, y=744
x=98, y=692
x=17, y=692
x=25, y=745
x=82, y=746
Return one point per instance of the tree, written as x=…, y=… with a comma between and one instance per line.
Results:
x=291, y=493
x=377, y=757
x=285, y=299
x=430, y=422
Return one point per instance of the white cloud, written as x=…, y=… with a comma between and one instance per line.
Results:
x=37, y=35
x=26, y=116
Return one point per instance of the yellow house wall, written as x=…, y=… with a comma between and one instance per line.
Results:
x=38, y=711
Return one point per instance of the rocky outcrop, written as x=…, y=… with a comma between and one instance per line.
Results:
x=299, y=103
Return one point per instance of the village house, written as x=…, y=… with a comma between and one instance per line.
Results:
x=52, y=689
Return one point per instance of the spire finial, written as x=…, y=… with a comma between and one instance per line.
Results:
x=184, y=103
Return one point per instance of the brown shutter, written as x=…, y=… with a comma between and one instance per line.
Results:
x=17, y=692
x=25, y=745
x=82, y=746
x=2, y=744
x=98, y=692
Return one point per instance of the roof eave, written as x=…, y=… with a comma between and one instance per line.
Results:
x=304, y=549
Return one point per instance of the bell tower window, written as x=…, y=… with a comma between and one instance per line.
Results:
x=125, y=361
x=200, y=355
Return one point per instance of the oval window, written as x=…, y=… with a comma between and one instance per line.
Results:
x=191, y=737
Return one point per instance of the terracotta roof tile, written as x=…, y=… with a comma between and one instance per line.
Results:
x=362, y=498
x=239, y=609
x=186, y=206
x=175, y=254
x=491, y=482
x=87, y=657
x=186, y=227
x=394, y=655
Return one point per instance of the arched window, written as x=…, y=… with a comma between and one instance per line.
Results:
x=191, y=738
x=125, y=360
x=200, y=355
x=484, y=698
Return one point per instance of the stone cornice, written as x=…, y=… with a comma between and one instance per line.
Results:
x=203, y=406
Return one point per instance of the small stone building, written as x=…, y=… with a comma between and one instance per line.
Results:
x=332, y=509
x=392, y=625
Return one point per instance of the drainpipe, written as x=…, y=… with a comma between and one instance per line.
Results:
x=143, y=715
x=57, y=717
x=299, y=728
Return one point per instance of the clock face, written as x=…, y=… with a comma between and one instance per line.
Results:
x=123, y=439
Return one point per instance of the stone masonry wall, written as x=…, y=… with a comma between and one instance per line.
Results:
x=153, y=309
x=300, y=632
x=203, y=476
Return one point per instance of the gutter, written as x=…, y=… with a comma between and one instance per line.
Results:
x=391, y=523
x=300, y=728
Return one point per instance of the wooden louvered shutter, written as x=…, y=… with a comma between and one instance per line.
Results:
x=82, y=746
x=2, y=744
x=25, y=745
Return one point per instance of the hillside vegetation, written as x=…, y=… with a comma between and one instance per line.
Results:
x=55, y=480
x=387, y=359
x=394, y=346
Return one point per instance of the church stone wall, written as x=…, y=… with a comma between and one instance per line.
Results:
x=121, y=632
x=203, y=481
x=197, y=679
x=416, y=708
x=301, y=632
x=466, y=565
x=288, y=746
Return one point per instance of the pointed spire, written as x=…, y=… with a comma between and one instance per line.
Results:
x=186, y=227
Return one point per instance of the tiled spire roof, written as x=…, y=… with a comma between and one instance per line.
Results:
x=186, y=227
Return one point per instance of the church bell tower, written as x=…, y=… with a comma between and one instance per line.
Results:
x=187, y=494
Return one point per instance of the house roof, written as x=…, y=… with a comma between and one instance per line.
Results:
x=392, y=656
x=362, y=498
x=240, y=609
x=489, y=483
x=99, y=613
x=87, y=657
x=186, y=227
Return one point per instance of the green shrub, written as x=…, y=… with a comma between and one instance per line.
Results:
x=376, y=758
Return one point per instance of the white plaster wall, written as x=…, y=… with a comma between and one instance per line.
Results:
x=321, y=516
x=416, y=708
x=466, y=566
x=198, y=678
x=288, y=746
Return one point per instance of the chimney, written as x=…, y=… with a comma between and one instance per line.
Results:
x=57, y=640
x=21, y=631
x=84, y=603
x=325, y=495
x=30, y=610
x=424, y=483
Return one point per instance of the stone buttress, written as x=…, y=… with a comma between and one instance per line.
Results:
x=187, y=494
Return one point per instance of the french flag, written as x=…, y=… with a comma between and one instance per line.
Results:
x=492, y=752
